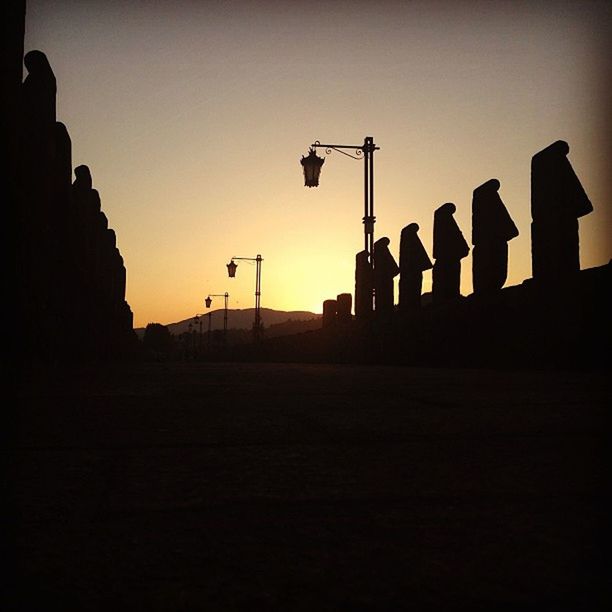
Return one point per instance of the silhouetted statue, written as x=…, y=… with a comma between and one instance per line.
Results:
x=101, y=268
x=92, y=222
x=385, y=270
x=413, y=261
x=59, y=219
x=86, y=204
x=38, y=142
x=82, y=182
x=558, y=200
x=329, y=313
x=449, y=248
x=72, y=277
x=63, y=161
x=39, y=88
x=492, y=229
x=38, y=93
x=363, y=286
x=344, y=303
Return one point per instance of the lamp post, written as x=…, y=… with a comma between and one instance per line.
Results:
x=190, y=341
x=231, y=271
x=208, y=302
x=209, y=325
x=199, y=318
x=198, y=321
x=312, y=169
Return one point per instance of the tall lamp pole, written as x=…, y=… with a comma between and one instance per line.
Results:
x=312, y=169
x=191, y=332
x=197, y=320
x=208, y=336
x=208, y=302
x=231, y=271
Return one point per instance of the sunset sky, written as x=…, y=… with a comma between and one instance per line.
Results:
x=193, y=117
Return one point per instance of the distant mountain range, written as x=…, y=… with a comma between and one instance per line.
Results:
x=278, y=322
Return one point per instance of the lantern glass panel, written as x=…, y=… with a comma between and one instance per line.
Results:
x=312, y=168
x=231, y=269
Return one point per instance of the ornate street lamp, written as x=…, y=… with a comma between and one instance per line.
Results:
x=312, y=168
x=231, y=271
x=231, y=268
x=208, y=302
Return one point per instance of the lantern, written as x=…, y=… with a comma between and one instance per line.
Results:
x=312, y=168
x=208, y=302
x=231, y=268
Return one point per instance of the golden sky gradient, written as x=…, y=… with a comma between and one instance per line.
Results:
x=193, y=117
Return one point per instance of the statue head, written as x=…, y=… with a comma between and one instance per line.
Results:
x=447, y=209
x=83, y=177
x=382, y=242
x=37, y=63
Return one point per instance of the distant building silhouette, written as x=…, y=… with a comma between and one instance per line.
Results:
x=449, y=248
x=558, y=200
x=363, y=286
x=492, y=229
x=413, y=261
x=385, y=270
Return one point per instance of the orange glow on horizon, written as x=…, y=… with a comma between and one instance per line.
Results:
x=193, y=120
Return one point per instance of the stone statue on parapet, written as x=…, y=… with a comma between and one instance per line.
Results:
x=385, y=270
x=38, y=92
x=558, y=200
x=449, y=248
x=492, y=229
x=363, y=286
x=344, y=305
x=413, y=261
x=329, y=313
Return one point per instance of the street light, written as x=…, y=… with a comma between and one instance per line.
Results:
x=312, y=169
x=199, y=316
x=231, y=268
x=197, y=320
x=190, y=333
x=231, y=271
x=208, y=302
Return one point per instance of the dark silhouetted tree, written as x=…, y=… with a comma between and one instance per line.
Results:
x=157, y=340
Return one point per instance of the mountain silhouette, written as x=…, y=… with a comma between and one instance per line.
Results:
x=239, y=319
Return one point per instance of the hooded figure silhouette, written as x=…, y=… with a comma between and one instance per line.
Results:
x=413, y=261
x=449, y=249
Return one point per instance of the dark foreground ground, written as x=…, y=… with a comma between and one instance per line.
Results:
x=309, y=487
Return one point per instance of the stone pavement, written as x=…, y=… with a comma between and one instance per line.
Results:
x=308, y=487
